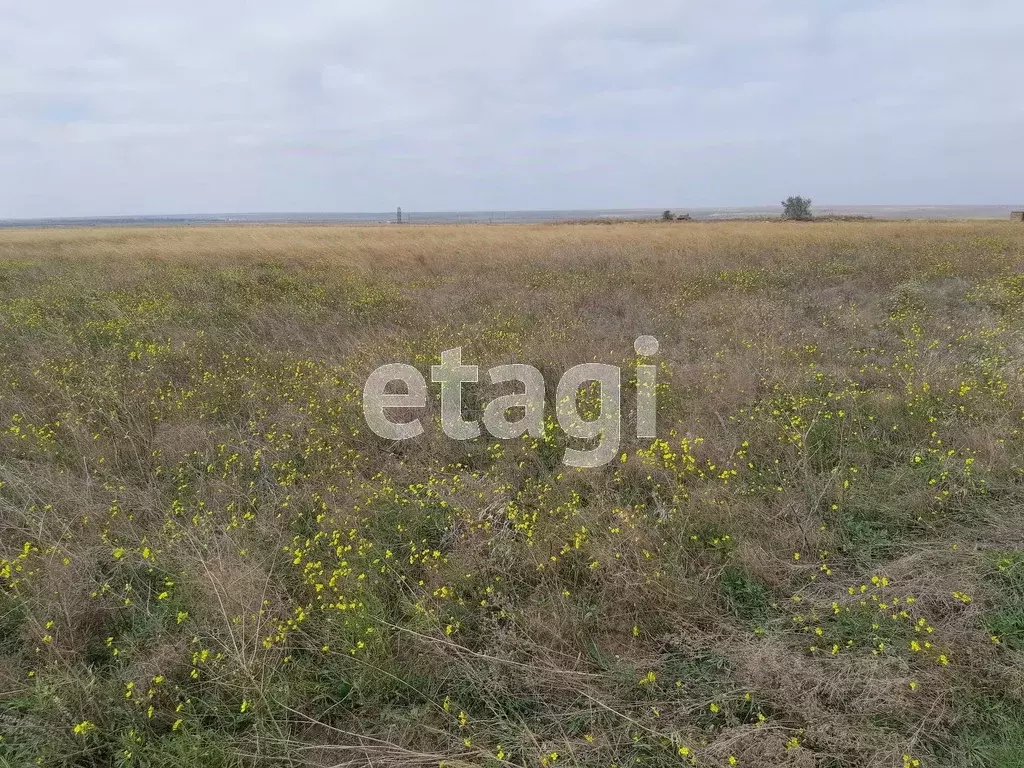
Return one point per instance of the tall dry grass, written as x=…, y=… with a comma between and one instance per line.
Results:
x=206, y=558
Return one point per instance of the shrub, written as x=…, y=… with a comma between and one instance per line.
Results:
x=798, y=208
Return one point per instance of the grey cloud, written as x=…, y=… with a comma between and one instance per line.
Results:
x=115, y=107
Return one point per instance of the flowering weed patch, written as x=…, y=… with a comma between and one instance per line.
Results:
x=208, y=558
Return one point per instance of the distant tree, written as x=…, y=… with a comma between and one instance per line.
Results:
x=667, y=216
x=798, y=208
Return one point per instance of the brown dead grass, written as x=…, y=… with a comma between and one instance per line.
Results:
x=182, y=452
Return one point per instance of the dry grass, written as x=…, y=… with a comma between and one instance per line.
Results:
x=206, y=558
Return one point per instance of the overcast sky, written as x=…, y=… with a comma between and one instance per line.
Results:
x=361, y=105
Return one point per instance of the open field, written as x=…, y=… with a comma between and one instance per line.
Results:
x=206, y=558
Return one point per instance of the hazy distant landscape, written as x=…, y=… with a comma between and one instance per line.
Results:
x=523, y=217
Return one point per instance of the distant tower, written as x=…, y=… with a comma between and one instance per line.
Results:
x=399, y=218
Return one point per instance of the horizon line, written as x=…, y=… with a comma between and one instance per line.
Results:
x=491, y=211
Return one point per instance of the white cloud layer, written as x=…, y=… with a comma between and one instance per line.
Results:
x=116, y=107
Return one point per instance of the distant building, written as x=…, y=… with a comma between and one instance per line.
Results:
x=1017, y=215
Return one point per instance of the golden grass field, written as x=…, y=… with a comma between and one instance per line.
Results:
x=206, y=558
